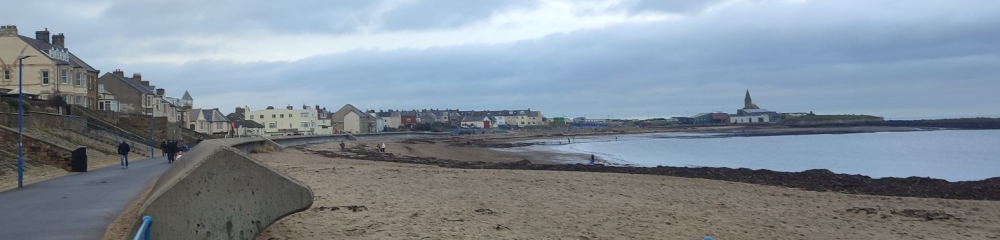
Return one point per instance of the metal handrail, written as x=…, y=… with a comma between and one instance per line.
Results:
x=143, y=233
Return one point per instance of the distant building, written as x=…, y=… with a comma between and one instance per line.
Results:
x=287, y=121
x=208, y=121
x=750, y=119
x=350, y=119
x=133, y=94
x=752, y=112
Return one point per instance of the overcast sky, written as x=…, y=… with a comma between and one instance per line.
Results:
x=593, y=58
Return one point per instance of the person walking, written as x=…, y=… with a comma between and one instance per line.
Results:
x=123, y=150
x=342, y=145
x=163, y=148
x=382, y=147
x=592, y=158
x=171, y=151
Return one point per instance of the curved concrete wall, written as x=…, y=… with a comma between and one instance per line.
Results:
x=218, y=192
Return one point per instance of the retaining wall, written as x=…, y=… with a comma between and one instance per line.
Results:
x=218, y=192
x=36, y=149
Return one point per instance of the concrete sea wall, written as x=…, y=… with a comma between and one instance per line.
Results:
x=218, y=192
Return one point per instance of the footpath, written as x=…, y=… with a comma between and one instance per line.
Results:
x=76, y=206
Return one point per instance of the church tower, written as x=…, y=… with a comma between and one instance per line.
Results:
x=748, y=103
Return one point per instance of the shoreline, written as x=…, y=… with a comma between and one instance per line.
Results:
x=820, y=180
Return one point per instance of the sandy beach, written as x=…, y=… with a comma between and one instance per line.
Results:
x=361, y=199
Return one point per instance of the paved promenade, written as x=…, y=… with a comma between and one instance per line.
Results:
x=77, y=206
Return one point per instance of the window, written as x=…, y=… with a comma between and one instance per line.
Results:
x=6, y=75
x=201, y=126
x=262, y=116
x=305, y=124
x=272, y=125
x=274, y=116
x=79, y=100
x=218, y=125
x=79, y=79
x=45, y=77
x=63, y=78
x=251, y=117
x=305, y=114
x=282, y=116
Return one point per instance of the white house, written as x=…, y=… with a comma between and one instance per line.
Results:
x=287, y=121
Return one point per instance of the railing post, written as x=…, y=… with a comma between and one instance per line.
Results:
x=144, y=229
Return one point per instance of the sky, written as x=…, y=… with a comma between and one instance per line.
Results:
x=580, y=58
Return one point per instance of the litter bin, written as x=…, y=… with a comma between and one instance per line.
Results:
x=79, y=159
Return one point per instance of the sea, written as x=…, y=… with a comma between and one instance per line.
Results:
x=953, y=155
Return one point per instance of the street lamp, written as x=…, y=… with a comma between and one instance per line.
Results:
x=20, y=119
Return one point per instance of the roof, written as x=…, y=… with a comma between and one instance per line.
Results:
x=210, y=115
x=248, y=124
x=701, y=115
x=235, y=116
x=340, y=114
x=131, y=82
x=80, y=63
x=43, y=47
x=187, y=96
x=757, y=111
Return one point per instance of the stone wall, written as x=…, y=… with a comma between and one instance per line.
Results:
x=35, y=149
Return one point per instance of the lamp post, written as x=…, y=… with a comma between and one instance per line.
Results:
x=152, y=135
x=20, y=120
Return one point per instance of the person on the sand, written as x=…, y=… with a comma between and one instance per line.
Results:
x=592, y=159
x=342, y=145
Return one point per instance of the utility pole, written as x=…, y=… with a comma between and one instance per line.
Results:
x=20, y=120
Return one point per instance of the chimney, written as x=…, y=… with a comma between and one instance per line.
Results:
x=144, y=83
x=118, y=72
x=160, y=92
x=270, y=108
x=137, y=77
x=239, y=110
x=304, y=107
x=59, y=40
x=42, y=35
x=289, y=107
x=8, y=31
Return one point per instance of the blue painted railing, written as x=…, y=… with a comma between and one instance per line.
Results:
x=143, y=233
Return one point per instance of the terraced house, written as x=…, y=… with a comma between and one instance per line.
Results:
x=50, y=69
x=133, y=94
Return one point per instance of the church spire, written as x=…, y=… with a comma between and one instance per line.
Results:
x=748, y=103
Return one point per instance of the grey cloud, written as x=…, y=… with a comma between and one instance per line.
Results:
x=420, y=15
x=936, y=59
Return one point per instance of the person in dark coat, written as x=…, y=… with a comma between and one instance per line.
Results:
x=123, y=150
x=171, y=150
x=163, y=147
